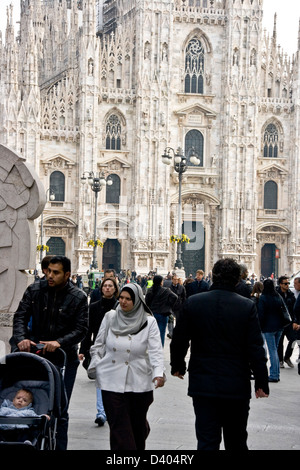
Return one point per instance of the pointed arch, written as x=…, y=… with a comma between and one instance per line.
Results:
x=272, y=139
x=198, y=33
x=196, y=48
x=194, y=67
x=115, y=130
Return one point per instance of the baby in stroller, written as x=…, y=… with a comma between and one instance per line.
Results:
x=20, y=406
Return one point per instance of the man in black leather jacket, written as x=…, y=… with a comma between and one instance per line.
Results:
x=54, y=312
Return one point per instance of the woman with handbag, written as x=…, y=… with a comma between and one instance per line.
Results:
x=270, y=313
x=108, y=300
x=127, y=361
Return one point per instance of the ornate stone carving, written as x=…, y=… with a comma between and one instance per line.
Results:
x=22, y=199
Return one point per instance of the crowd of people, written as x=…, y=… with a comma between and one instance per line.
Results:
x=232, y=323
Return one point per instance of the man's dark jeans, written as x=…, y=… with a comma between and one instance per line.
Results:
x=63, y=421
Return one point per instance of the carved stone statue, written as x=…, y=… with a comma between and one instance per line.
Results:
x=22, y=199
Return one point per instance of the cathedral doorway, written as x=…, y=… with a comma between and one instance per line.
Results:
x=269, y=262
x=193, y=253
x=57, y=246
x=112, y=255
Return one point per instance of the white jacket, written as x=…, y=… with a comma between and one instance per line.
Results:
x=127, y=363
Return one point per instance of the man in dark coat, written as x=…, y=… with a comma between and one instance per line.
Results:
x=198, y=285
x=288, y=332
x=54, y=312
x=227, y=347
x=242, y=287
x=179, y=290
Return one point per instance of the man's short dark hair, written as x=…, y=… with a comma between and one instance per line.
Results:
x=66, y=263
x=226, y=271
x=281, y=279
x=110, y=270
x=45, y=261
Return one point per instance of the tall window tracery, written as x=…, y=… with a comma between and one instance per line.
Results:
x=194, y=67
x=113, y=133
x=271, y=141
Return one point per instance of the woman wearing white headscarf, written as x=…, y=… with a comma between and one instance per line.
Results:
x=128, y=363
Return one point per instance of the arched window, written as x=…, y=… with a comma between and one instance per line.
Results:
x=194, y=67
x=57, y=185
x=113, y=191
x=270, y=195
x=194, y=139
x=271, y=142
x=113, y=133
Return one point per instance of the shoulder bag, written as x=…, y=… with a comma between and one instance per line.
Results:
x=286, y=317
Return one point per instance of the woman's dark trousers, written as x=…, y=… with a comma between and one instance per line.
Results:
x=127, y=418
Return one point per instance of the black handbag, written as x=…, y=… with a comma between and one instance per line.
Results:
x=286, y=317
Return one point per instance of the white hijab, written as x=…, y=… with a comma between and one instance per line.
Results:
x=126, y=323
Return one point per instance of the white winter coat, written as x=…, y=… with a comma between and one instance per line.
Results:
x=127, y=363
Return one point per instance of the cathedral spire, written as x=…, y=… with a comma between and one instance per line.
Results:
x=275, y=29
x=10, y=33
x=89, y=17
x=11, y=51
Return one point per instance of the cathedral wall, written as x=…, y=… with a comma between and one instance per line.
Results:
x=202, y=113
x=139, y=75
x=62, y=215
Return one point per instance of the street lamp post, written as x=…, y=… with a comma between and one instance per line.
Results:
x=96, y=181
x=180, y=166
x=52, y=198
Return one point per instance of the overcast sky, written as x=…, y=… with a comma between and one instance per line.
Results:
x=288, y=14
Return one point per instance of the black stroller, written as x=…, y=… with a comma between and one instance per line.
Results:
x=34, y=372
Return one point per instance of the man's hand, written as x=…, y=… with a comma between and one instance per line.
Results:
x=176, y=374
x=260, y=393
x=25, y=345
x=50, y=346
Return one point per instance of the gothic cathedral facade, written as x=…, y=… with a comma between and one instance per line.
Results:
x=106, y=86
